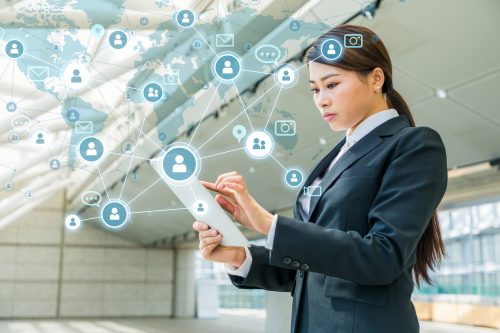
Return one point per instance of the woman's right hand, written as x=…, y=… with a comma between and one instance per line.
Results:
x=212, y=250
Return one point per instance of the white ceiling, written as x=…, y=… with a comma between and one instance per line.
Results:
x=449, y=44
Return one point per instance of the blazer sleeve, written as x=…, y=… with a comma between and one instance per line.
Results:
x=264, y=276
x=412, y=186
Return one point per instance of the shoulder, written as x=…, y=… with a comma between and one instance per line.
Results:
x=418, y=136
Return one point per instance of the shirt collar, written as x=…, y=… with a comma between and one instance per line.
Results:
x=369, y=124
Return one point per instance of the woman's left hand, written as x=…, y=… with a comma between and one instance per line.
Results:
x=234, y=198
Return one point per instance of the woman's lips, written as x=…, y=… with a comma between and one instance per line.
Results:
x=328, y=116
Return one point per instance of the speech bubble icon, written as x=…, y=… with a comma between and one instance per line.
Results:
x=267, y=54
x=91, y=198
x=20, y=123
x=97, y=30
x=239, y=132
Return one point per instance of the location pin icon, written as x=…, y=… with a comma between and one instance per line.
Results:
x=239, y=132
x=97, y=30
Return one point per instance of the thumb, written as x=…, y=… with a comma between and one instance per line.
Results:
x=225, y=204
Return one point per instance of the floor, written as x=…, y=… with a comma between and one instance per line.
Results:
x=230, y=321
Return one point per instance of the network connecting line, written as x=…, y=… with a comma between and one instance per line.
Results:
x=98, y=81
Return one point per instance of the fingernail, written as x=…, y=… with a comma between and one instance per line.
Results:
x=220, y=186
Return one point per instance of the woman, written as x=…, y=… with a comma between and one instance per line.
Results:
x=350, y=255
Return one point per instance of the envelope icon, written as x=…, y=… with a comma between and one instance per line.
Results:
x=224, y=40
x=84, y=127
x=38, y=73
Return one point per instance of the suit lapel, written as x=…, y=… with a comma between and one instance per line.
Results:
x=360, y=149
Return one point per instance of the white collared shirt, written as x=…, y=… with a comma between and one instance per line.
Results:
x=365, y=127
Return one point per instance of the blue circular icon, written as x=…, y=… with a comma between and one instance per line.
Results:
x=72, y=115
x=144, y=21
x=118, y=39
x=14, y=49
x=11, y=107
x=227, y=67
x=197, y=44
x=180, y=163
x=55, y=164
x=55, y=47
x=294, y=25
x=162, y=136
x=185, y=18
x=152, y=92
x=91, y=149
x=115, y=213
x=294, y=177
x=331, y=49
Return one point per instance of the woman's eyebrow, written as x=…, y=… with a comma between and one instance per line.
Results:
x=325, y=77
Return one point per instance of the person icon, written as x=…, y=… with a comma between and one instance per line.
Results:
x=72, y=116
x=118, y=40
x=179, y=166
x=294, y=178
x=40, y=139
x=185, y=19
x=14, y=49
x=156, y=94
x=76, y=77
x=228, y=69
x=256, y=144
x=151, y=92
x=128, y=147
x=286, y=76
x=200, y=207
x=114, y=216
x=263, y=145
x=331, y=50
x=91, y=151
x=72, y=222
x=14, y=137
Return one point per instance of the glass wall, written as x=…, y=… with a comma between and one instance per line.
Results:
x=229, y=295
x=472, y=264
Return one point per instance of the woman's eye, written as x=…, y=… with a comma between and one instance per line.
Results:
x=331, y=85
x=314, y=90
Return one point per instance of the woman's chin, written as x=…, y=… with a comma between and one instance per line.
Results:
x=336, y=126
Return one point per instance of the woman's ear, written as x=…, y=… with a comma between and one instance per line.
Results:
x=377, y=79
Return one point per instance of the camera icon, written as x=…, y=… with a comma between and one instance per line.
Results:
x=353, y=41
x=171, y=79
x=284, y=128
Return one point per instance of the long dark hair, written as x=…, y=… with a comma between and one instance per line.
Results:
x=372, y=54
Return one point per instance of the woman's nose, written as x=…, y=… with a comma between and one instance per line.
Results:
x=323, y=100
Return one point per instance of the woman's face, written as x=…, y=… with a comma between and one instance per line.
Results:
x=343, y=99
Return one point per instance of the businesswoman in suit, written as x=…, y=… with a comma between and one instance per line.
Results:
x=350, y=256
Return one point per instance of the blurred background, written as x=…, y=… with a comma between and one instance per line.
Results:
x=147, y=275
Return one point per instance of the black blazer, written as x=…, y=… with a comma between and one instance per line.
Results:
x=349, y=267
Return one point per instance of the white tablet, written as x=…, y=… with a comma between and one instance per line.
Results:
x=202, y=205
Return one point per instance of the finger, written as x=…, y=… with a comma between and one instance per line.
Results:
x=236, y=188
x=199, y=226
x=210, y=240
x=208, y=185
x=223, y=192
x=238, y=179
x=207, y=233
x=225, y=204
x=224, y=175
